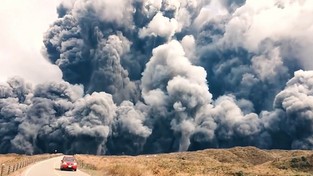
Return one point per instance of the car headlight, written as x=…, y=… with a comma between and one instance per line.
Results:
x=64, y=163
x=75, y=164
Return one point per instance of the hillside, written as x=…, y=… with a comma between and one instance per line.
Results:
x=14, y=164
x=239, y=161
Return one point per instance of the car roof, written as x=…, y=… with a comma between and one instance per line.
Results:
x=68, y=156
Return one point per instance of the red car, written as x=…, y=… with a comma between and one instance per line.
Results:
x=68, y=163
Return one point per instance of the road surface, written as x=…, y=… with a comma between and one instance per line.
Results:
x=50, y=167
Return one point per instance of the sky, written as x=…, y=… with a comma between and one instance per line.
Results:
x=22, y=26
x=155, y=76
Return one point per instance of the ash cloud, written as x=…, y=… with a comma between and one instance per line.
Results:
x=174, y=87
x=155, y=76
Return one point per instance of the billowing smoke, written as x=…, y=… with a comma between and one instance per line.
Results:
x=176, y=91
x=154, y=76
x=296, y=102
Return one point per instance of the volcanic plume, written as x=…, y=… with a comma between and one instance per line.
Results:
x=157, y=76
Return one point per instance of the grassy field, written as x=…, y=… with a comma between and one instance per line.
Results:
x=239, y=161
x=9, y=157
x=18, y=163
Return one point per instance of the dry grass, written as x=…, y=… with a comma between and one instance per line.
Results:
x=11, y=159
x=239, y=161
x=8, y=157
x=15, y=159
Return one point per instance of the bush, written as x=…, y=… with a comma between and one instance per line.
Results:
x=300, y=163
x=124, y=170
x=240, y=173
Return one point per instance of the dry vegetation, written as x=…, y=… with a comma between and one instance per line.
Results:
x=9, y=157
x=15, y=159
x=239, y=161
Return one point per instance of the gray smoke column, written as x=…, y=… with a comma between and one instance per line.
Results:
x=14, y=104
x=296, y=100
x=154, y=76
x=89, y=122
x=56, y=116
x=176, y=89
x=87, y=52
x=46, y=104
x=129, y=130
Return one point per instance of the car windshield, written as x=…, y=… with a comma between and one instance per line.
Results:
x=71, y=159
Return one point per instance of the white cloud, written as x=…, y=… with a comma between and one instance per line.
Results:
x=266, y=66
x=151, y=7
x=214, y=10
x=189, y=45
x=160, y=26
x=22, y=26
x=276, y=20
x=119, y=11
